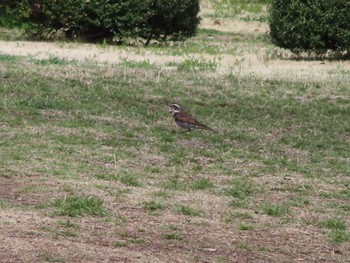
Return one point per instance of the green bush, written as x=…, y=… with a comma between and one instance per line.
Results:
x=97, y=20
x=314, y=26
x=10, y=9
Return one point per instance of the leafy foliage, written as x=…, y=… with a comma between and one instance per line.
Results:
x=88, y=20
x=10, y=11
x=312, y=25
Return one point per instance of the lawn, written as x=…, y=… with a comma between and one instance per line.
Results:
x=94, y=169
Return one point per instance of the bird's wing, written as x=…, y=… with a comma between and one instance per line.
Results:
x=184, y=117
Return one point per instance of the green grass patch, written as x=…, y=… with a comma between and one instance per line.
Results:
x=153, y=206
x=137, y=64
x=233, y=8
x=276, y=210
x=175, y=183
x=202, y=184
x=240, y=188
x=172, y=236
x=339, y=236
x=51, y=257
x=130, y=180
x=172, y=232
x=79, y=206
x=194, y=64
x=7, y=58
x=186, y=210
x=120, y=243
x=333, y=223
x=239, y=216
x=339, y=194
x=245, y=227
x=53, y=60
x=59, y=232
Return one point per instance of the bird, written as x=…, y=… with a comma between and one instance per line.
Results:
x=186, y=121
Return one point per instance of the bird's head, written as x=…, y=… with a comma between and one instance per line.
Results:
x=175, y=108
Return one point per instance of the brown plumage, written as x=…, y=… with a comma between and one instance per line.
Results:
x=186, y=121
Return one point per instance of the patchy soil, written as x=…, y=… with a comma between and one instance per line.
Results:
x=34, y=236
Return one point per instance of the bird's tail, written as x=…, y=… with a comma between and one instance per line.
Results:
x=209, y=129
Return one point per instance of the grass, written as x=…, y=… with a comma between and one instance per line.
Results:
x=338, y=227
x=195, y=64
x=89, y=151
x=120, y=244
x=135, y=64
x=333, y=223
x=153, y=206
x=276, y=210
x=202, y=184
x=186, y=210
x=56, y=233
x=240, y=188
x=245, y=227
x=172, y=232
x=50, y=257
x=79, y=206
x=253, y=10
x=339, y=236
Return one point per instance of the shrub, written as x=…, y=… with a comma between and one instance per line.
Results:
x=96, y=20
x=315, y=26
x=10, y=9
